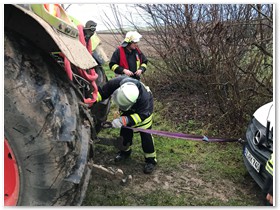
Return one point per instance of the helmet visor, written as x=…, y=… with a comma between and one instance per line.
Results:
x=121, y=100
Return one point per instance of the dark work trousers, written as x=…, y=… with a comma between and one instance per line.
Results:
x=146, y=139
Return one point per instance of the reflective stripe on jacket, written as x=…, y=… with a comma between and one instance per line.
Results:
x=269, y=165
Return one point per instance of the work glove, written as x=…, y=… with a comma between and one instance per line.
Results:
x=119, y=122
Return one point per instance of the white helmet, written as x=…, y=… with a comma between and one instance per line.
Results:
x=126, y=95
x=131, y=36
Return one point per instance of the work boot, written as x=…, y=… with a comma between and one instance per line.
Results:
x=150, y=165
x=122, y=155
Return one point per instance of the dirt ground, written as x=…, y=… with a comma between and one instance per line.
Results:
x=185, y=181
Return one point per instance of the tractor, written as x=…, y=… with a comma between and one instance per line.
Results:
x=52, y=68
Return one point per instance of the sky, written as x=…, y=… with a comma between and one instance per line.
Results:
x=85, y=12
x=103, y=14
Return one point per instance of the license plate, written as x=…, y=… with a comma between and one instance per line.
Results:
x=256, y=165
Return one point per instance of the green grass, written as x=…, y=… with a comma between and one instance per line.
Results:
x=109, y=73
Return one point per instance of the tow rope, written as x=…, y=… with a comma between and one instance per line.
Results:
x=178, y=135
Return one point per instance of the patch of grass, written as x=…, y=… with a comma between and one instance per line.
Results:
x=114, y=195
x=109, y=73
x=104, y=196
x=225, y=158
x=167, y=198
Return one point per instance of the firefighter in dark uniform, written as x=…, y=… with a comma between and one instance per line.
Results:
x=268, y=188
x=135, y=102
x=127, y=58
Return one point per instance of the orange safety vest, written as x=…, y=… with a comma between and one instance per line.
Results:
x=123, y=61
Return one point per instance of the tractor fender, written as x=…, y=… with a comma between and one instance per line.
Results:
x=25, y=22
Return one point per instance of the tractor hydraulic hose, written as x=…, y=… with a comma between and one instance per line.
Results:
x=92, y=75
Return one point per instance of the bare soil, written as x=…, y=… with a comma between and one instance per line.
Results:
x=185, y=181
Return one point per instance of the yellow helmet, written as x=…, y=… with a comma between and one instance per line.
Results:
x=131, y=36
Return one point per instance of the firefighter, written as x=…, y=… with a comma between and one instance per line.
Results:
x=135, y=102
x=89, y=30
x=127, y=58
x=268, y=189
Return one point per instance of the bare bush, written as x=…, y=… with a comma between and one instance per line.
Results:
x=223, y=50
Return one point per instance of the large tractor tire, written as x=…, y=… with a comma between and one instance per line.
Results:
x=47, y=133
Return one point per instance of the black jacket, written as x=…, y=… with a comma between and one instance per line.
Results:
x=144, y=104
x=268, y=186
x=131, y=59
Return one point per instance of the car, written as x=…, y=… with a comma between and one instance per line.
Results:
x=258, y=146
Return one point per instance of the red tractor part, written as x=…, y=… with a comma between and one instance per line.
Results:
x=11, y=176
